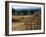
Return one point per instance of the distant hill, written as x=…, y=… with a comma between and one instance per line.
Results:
x=25, y=11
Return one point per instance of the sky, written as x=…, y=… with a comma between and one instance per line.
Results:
x=24, y=7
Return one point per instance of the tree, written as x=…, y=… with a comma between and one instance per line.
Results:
x=13, y=11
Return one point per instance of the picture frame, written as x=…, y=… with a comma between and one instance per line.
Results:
x=18, y=6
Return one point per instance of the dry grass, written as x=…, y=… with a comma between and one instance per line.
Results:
x=28, y=22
